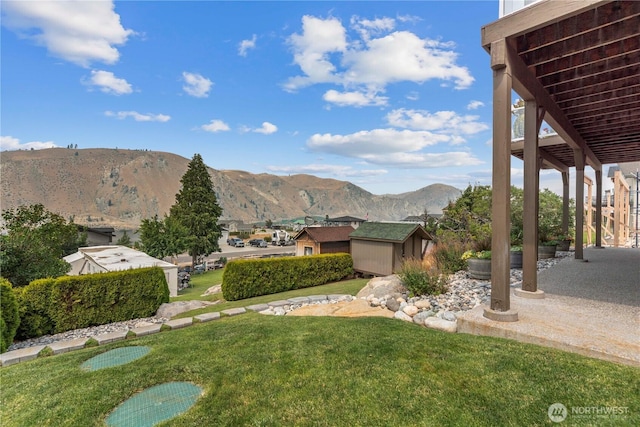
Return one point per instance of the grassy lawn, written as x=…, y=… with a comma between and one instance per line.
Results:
x=319, y=371
x=199, y=284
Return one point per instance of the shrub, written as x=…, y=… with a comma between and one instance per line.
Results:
x=448, y=255
x=34, y=301
x=96, y=299
x=421, y=280
x=254, y=277
x=9, y=317
x=70, y=302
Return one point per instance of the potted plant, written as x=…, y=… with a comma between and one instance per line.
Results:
x=564, y=242
x=478, y=263
x=516, y=256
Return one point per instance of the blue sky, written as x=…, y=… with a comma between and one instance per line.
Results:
x=392, y=96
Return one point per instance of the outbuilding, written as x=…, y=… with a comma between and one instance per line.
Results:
x=323, y=240
x=102, y=259
x=380, y=248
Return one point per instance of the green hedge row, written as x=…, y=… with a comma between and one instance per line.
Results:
x=250, y=278
x=9, y=317
x=73, y=302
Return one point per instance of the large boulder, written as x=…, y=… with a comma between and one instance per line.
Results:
x=381, y=287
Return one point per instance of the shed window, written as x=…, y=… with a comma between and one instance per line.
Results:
x=308, y=250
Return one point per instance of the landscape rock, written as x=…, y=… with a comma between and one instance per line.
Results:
x=379, y=287
x=440, y=324
x=393, y=304
x=402, y=316
x=410, y=310
x=421, y=316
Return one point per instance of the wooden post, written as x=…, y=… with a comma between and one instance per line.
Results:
x=530, y=206
x=500, y=308
x=589, y=209
x=580, y=161
x=599, y=208
x=565, y=202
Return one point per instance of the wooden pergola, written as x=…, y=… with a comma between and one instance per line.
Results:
x=576, y=65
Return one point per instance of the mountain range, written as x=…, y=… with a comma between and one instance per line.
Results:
x=119, y=188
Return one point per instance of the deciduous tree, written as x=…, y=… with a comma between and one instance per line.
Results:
x=35, y=242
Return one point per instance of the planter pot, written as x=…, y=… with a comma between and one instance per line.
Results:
x=516, y=259
x=545, y=252
x=479, y=268
x=563, y=245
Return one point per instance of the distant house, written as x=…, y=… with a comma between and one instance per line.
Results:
x=345, y=220
x=379, y=248
x=323, y=240
x=97, y=236
x=239, y=227
x=102, y=259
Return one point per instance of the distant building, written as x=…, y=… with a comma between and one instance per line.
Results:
x=345, y=220
x=102, y=259
x=323, y=240
x=380, y=248
x=97, y=236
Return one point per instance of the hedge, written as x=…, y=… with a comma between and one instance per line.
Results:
x=73, y=302
x=34, y=302
x=9, y=316
x=250, y=278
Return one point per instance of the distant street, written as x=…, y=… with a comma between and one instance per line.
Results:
x=248, y=251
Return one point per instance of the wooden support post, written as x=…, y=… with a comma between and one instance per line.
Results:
x=599, y=208
x=589, y=209
x=500, y=308
x=530, y=206
x=565, y=202
x=579, y=157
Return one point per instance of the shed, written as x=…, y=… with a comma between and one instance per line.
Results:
x=379, y=248
x=101, y=259
x=323, y=240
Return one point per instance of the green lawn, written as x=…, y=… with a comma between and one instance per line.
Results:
x=201, y=282
x=321, y=371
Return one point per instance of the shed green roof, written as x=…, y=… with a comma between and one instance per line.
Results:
x=389, y=231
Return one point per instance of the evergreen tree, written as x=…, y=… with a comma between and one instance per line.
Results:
x=124, y=240
x=197, y=209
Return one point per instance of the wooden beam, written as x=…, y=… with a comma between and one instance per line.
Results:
x=530, y=206
x=536, y=16
x=545, y=141
x=529, y=87
x=553, y=161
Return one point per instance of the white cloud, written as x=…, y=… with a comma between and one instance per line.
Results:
x=334, y=170
x=311, y=50
x=108, y=83
x=392, y=148
x=267, y=128
x=196, y=85
x=413, y=96
x=366, y=27
x=245, y=45
x=442, y=122
x=9, y=143
x=474, y=105
x=356, y=99
x=215, y=126
x=78, y=31
x=373, y=60
x=138, y=117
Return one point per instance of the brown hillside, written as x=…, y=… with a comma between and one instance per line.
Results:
x=122, y=187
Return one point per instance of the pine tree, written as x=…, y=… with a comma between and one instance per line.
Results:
x=197, y=209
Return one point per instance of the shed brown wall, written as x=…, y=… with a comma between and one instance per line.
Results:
x=334, y=247
x=372, y=257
